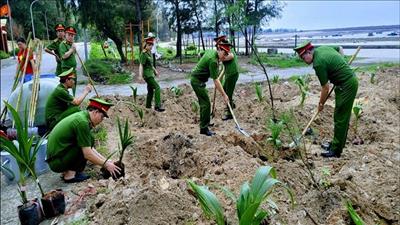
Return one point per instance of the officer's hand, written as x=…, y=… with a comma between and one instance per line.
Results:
x=320, y=107
x=74, y=47
x=88, y=88
x=156, y=73
x=112, y=168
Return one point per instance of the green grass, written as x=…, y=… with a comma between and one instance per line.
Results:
x=376, y=66
x=278, y=60
x=100, y=134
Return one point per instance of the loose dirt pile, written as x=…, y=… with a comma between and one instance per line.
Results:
x=169, y=150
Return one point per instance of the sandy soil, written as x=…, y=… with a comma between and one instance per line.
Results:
x=170, y=150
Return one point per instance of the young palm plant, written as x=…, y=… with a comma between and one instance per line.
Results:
x=259, y=92
x=275, y=79
x=177, y=91
x=302, y=83
x=357, y=110
x=134, y=93
x=248, y=203
x=195, y=109
x=25, y=154
x=276, y=128
x=126, y=139
x=139, y=111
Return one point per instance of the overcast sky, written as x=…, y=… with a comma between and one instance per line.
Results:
x=311, y=15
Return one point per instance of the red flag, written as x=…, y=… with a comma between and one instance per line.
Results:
x=4, y=10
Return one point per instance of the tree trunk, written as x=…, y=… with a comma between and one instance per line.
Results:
x=246, y=12
x=139, y=18
x=179, y=32
x=246, y=45
x=118, y=42
x=200, y=28
x=216, y=18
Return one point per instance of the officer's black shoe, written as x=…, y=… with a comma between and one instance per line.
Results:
x=210, y=124
x=159, y=109
x=326, y=145
x=227, y=117
x=330, y=154
x=206, y=131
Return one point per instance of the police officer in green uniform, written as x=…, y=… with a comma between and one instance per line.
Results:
x=70, y=143
x=60, y=103
x=67, y=52
x=147, y=71
x=208, y=67
x=329, y=65
x=53, y=47
x=231, y=74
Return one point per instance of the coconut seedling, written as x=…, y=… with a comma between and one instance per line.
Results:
x=134, y=93
x=302, y=83
x=249, y=202
x=275, y=79
x=177, y=91
x=126, y=139
x=139, y=112
x=259, y=92
x=357, y=111
x=372, y=78
x=25, y=151
x=276, y=128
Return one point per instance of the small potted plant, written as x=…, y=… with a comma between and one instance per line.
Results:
x=25, y=152
x=126, y=139
x=30, y=212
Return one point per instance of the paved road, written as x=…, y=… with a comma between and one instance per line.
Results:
x=48, y=66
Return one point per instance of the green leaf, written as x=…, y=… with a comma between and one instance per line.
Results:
x=353, y=214
x=244, y=199
x=209, y=203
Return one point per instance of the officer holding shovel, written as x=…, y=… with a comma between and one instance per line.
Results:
x=60, y=103
x=208, y=67
x=70, y=143
x=67, y=52
x=53, y=47
x=231, y=74
x=329, y=65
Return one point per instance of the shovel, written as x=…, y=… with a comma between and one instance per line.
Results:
x=89, y=77
x=221, y=74
x=236, y=122
x=297, y=141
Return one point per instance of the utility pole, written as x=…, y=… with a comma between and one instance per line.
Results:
x=11, y=29
x=33, y=26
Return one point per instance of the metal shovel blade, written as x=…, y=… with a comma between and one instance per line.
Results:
x=242, y=131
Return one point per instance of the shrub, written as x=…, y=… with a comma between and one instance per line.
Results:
x=191, y=47
x=4, y=55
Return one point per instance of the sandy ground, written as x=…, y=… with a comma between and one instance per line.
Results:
x=169, y=150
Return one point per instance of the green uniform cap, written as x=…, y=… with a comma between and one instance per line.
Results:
x=100, y=104
x=66, y=73
x=303, y=47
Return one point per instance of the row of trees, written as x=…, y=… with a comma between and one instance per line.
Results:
x=108, y=18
